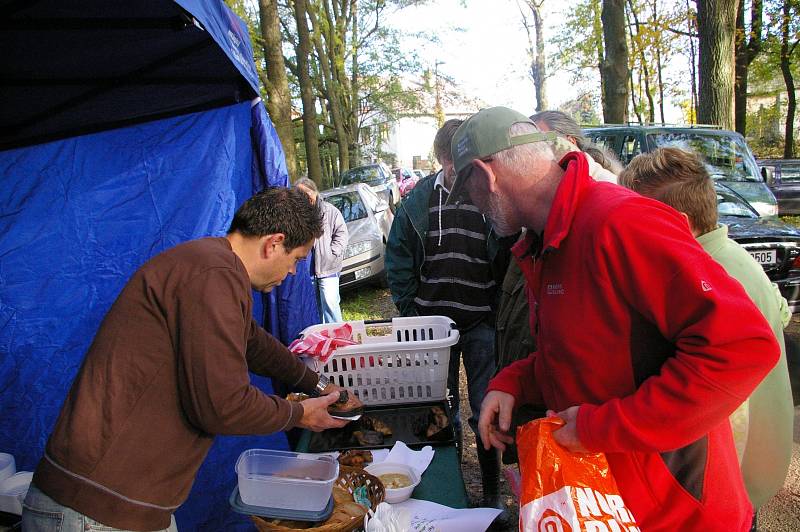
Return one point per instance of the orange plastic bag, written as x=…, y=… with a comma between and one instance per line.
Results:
x=564, y=491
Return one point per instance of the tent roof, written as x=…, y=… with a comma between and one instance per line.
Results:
x=70, y=68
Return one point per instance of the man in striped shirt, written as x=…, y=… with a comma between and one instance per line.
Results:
x=446, y=260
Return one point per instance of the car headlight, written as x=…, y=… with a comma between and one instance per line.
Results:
x=357, y=248
x=764, y=208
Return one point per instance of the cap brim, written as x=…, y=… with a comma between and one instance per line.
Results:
x=457, y=192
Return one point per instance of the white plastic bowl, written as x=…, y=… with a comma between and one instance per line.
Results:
x=399, y=494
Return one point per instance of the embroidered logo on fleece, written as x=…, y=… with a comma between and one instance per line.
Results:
x=706, y=286
x=555, y=289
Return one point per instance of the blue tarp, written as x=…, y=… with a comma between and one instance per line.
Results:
x=78, y=215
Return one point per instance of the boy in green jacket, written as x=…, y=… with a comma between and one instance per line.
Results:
x=762, y=426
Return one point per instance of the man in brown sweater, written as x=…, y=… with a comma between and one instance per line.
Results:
x=168, y=370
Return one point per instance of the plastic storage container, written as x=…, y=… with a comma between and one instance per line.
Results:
x=281, y=479
x=404, y=360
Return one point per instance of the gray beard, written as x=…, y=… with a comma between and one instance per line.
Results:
x=499, y=217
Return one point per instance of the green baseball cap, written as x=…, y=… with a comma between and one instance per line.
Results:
x=486, y=133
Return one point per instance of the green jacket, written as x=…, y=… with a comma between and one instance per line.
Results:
x=763, y=425
x=405, y=250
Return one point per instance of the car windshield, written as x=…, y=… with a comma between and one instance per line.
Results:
x=349, y=204
x=363, y=174
x=726, y=157
x=729, y=203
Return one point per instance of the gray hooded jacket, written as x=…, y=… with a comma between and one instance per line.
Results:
x=329, y=248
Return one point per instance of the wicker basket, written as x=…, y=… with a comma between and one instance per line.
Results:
x=349, y=479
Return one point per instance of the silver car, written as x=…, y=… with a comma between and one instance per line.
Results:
x=378, y=177
x=368, y=220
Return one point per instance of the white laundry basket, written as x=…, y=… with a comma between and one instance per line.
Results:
x=404, y=360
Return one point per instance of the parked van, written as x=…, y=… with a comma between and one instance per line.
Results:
x=725, y=152
x=783, y=177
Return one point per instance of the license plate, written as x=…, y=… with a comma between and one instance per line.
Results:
x=767, y=256
x=363, y=273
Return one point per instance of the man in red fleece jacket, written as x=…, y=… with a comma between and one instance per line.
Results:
x=644, y=344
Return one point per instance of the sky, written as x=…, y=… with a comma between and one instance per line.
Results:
x=484, y=49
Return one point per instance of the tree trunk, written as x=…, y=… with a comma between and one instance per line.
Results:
x=355, y=132
x=541, y=64
x=645, y=74
x=331, y=89
x=692, y=64
x=279, y=100
x=659, y=68
x=747, y=47
x=536, y=51
x=615, y=63
x=788, y=79
x=716, y=27
x=597, y=33
x=633, y=97
x=310, y=130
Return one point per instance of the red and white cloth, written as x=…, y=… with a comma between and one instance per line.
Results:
x=323, y=344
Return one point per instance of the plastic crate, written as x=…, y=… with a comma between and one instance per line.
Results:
x=404, y=360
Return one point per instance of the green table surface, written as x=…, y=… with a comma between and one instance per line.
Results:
x=441, y=483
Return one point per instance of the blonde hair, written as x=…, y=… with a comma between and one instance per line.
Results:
x=677, y=178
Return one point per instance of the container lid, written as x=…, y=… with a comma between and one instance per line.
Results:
x=278, y=513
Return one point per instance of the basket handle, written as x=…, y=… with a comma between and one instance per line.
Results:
x=376, y=322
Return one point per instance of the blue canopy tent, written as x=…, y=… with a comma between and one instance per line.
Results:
x=125, y=129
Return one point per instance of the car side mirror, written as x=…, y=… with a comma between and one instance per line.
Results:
x=768, y=174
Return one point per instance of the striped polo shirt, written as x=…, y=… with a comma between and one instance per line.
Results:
x=456, y=279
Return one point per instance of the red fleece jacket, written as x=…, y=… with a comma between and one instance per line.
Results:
x=644, y=330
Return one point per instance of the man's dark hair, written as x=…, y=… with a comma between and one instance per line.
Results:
x=279, y=210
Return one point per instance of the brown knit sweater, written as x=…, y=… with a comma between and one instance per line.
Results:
x=168, y=370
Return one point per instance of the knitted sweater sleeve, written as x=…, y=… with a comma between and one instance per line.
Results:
x=645, y=255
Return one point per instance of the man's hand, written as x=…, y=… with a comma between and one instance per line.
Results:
x=316, y=416
x=567, y=435
x=495, y=420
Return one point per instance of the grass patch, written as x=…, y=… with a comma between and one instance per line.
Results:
x=794, y=220
x=367, y=303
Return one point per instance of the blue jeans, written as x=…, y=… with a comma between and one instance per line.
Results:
x=476, y=347
x=40, y=513
x=328, y=299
